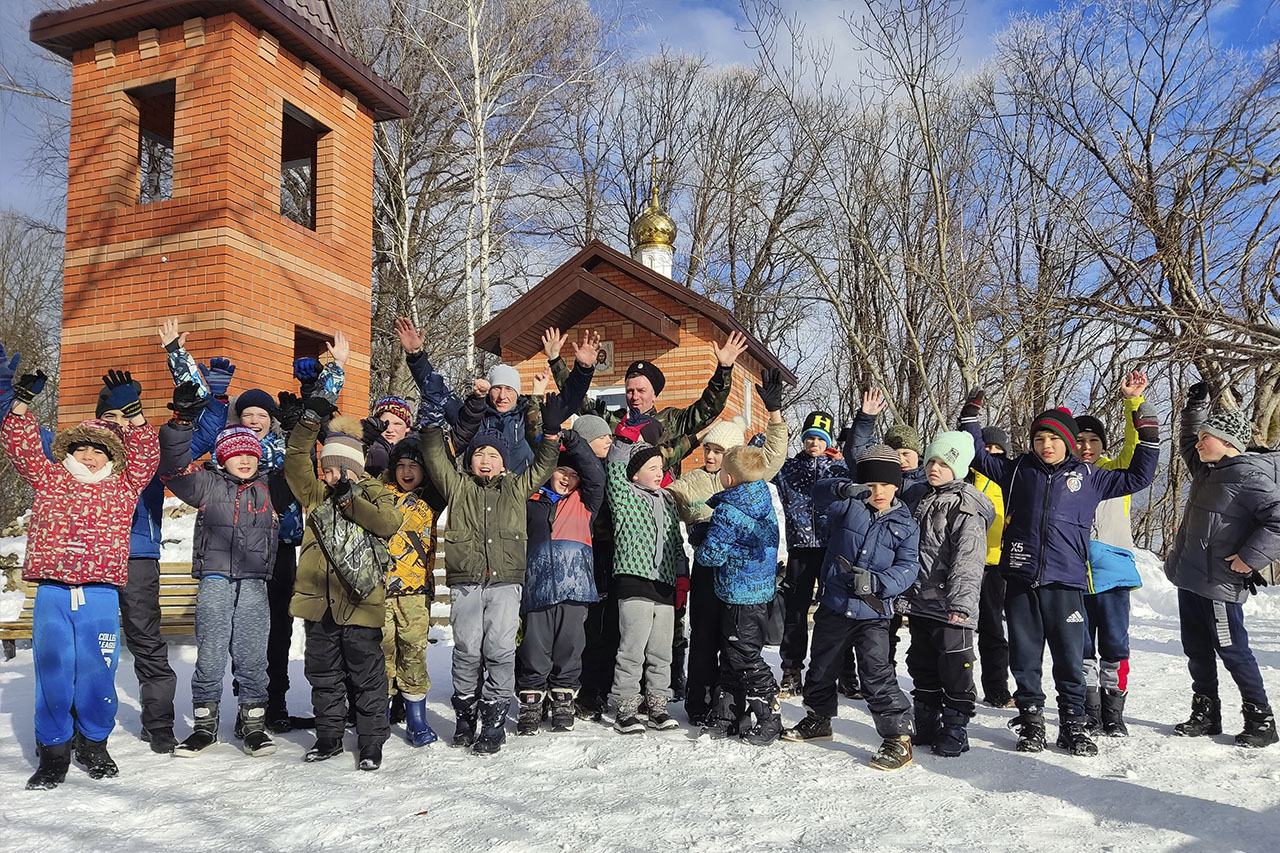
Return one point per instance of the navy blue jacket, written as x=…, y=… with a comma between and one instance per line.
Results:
x=885, y=543
x=1049, y=509
x=742, y=544
x=795, y=489
x=915, y=485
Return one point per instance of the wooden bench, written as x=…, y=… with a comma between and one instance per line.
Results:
x=177, y=608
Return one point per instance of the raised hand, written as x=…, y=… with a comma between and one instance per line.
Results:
x=371, y=430
x=410, y=337
x=1198, y=394
x=587, y=349
x=552, y=341
x=187, y=403
x=320, y=407
x=873, y=402
x=1147, y=423
x=973, y=405
x=480, y=387
x=28, y=386
x=554, y=414
x=218, y=375
x=122, y=393
x=728, y=354
x=339, y=350
x=170, y=338
x=770, y=390
x=540, y=381
x=8, y=369
x=291, y=409
x=1133, y=385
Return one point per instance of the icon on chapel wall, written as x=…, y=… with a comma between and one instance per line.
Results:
x=604, y=358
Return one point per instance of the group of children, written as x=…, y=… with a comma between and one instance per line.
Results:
x=567, y=568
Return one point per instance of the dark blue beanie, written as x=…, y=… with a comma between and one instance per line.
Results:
x=256, y=397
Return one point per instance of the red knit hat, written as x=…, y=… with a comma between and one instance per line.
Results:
x=236, y=441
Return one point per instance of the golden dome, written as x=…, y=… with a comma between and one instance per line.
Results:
x=653, y=227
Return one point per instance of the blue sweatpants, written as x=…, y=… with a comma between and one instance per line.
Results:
x=1215, y=629
x=1054, y=615
x=1106, y=639
x=75, y=639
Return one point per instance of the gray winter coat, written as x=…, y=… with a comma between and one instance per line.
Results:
x=953, y=520
x=1233, y=508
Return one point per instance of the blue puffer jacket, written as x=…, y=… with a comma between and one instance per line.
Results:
x=1049, y=509
x=559, y=563
x=795, y=489
x=742, y=544
x=885, y=543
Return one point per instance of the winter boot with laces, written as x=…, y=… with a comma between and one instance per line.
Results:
x=92, y=754
x=1113, y=712
x=768, y=724
x=1206, y=717
x=790, y=685
x=1073, y=736
x=417, y=731
x=205, y=734
x=893, y=754
x=658, y=717
x=1093, y=708
x=953, y=734
x=530, y=719
x=562, y=713
x=1029, y=724
x=465, y=710
x=812, y=728
x=493, y=726
x=253, y=719
x=323, y=749
x=627, y=721
x=1259, y=727
x=928, y=721
x=54, y=761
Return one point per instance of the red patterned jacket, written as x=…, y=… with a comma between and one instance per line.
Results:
x=79, y=533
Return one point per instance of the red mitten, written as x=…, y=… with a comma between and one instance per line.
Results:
x=682, y=592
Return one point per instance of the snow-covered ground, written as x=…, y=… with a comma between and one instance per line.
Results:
x=595, y=790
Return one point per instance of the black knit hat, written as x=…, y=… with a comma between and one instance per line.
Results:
x=879, y=463
x=995, y=435
x=649, y=371
x=1088, y=423
x=490, y=438
x=409, y=447
x=640, y=454
x=1058, y=422
x=820, y=424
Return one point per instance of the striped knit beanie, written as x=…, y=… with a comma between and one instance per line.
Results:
x=236, y=441
x=1057, y=422
x=397, y=406
x=343, y=446
x=879, y=464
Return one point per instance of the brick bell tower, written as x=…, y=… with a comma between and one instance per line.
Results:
x=221, y=171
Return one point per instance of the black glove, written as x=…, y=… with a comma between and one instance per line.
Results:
x=843, y=437
x=372, y=431
x=1254, y=581
x=28, y=386
x=187, y=403
x=847, y=489
x=771, y=390
x=1198, y=394
x=973, y=405
x=1147, y=424
x=291, y=409
x=554, y=413
x=860, y=582
x=122, y=392
x=344, y=490
x=320, y=407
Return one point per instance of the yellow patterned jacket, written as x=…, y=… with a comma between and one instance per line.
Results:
x=413, y=547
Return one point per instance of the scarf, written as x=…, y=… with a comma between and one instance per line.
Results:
x=82, y=474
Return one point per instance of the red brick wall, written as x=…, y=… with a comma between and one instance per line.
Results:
x=687, y=366
x=218, y=255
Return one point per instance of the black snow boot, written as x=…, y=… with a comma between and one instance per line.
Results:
x=722, y=720
x=953, y=734
x=162, y=740
x=395, y=709
x=323, y=749
x=205, y=734
x=1113, y=712
x=1073, y=736
x=812, y=727
x=627, y=721
x=92, y=754
x=464, y=709
x=253, y=720
x=1093, y=708
x=894, y=753
x=1259, y=727
x=562, y=715
x=928, y=721
x=790, y=684
x=658, y=717
x=370, y=757
x=589, y=706
x=768, y=724
x=278, y=720
x=54, y=761
x=1029, y=724
x=677, y=673
x=530, y=720
x=493, y=726
x=1206, y=717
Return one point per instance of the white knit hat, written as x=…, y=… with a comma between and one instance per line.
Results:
x=505, y=374
x=726, y=434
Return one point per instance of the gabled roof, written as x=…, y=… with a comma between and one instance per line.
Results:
x=573, y=291
x=306, y=28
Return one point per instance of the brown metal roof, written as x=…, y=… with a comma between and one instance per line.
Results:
x=572, y=291
x=306, y=28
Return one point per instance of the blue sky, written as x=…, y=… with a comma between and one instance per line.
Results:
x=706, y=27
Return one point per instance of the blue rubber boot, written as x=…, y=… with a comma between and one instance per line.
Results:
x=418, y=732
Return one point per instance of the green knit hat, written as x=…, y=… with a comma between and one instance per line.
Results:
x=902, y=437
